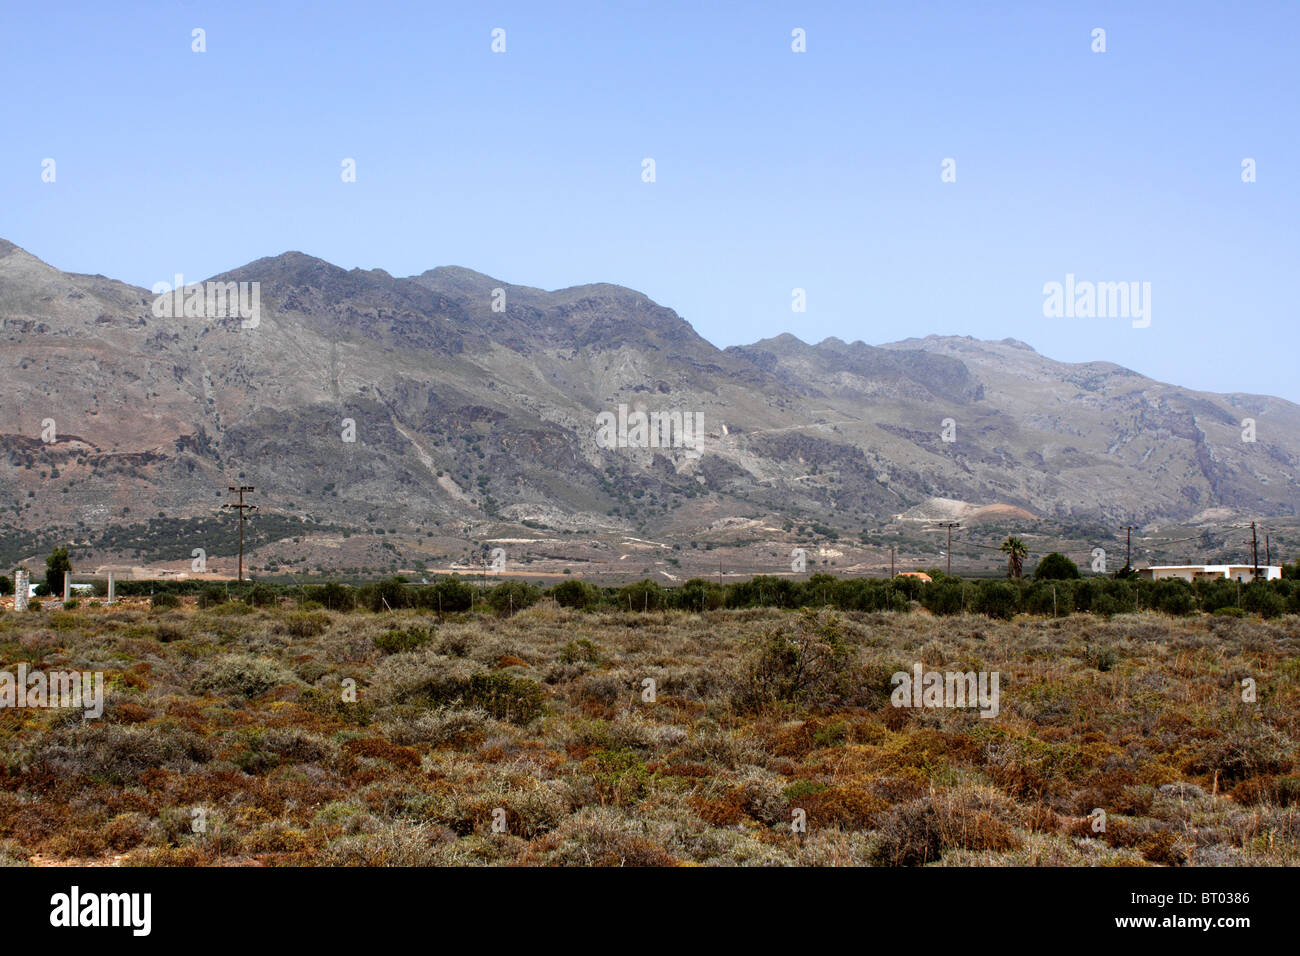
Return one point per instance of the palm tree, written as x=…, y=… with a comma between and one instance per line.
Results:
x=1016, y=552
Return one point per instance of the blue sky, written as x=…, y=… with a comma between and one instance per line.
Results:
x=775, y=170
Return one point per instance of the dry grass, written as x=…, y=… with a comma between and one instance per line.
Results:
x=229, y=736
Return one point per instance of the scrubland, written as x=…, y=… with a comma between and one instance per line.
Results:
x=232, y=736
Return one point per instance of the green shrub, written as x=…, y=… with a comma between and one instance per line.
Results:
x=760, y=591
x=698, y=594
x=1216, y=594
x=998, y=599
x=333, y=596
x=807, y=663
x=574, y=593
x=1124, y=594
x=619, y=777
x=818, y=591
x=211, y=596
x=515, y=699
x=399, y=641
x=502, y=695
x=909, y=586
x=243, y=674
x=1084, y=593
x=510, y=597
x=644, y=595
x=943, y=597
x=260, y=595
x=164, y=599
x=870, y=594
x=452, y=595
x=389, y=595
x=1259, y=598
x=1174, y=597
x=1050, y=597
x=304, y=624
x=1105, y=605
x=582, y=649
x=1056, y=567
x=1102, y=658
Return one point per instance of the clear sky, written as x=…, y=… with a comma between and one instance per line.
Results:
x=774, y=169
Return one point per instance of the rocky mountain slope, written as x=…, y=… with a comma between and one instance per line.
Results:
x=472, y=405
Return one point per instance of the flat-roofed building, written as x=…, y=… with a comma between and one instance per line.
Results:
x=1245, y=573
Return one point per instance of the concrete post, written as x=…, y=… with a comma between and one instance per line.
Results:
x=67, y=588
x=111, y=588
x=21, y=586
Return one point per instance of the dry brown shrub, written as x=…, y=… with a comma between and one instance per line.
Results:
x=683, y=769
x=724, y=811
x=600, y=837
x=849, y=807
x=78, y=842
x=172, y=856
x=793, y=739
x=405, y=758
x=918, y=832
x=1163, y=847
x=128, y=712
x=126, y=831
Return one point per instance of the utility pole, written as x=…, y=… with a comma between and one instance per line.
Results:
x=482, y=572
x=891, y=562
x=241, y=508
x=1254, y=550
x=1128, y=530
x=1268, y=553
x=950, y=525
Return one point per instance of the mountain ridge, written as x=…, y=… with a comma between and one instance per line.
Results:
x=469, y=417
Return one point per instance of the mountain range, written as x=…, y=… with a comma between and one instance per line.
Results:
x=449, y=409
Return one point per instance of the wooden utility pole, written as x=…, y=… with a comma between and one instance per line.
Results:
x=1268, y=553
x=241, y=508
x=950, y=525
x=891, y=562
x=1128, y=530
x=1254, y=550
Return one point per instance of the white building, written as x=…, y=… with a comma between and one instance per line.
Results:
x=1243, y=573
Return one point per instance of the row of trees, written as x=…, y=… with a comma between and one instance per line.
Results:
x=1057, y=588
x=943, y=596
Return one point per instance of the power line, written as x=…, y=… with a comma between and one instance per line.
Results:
x=241, y=508
x=1128, y=530
x=950, y=525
